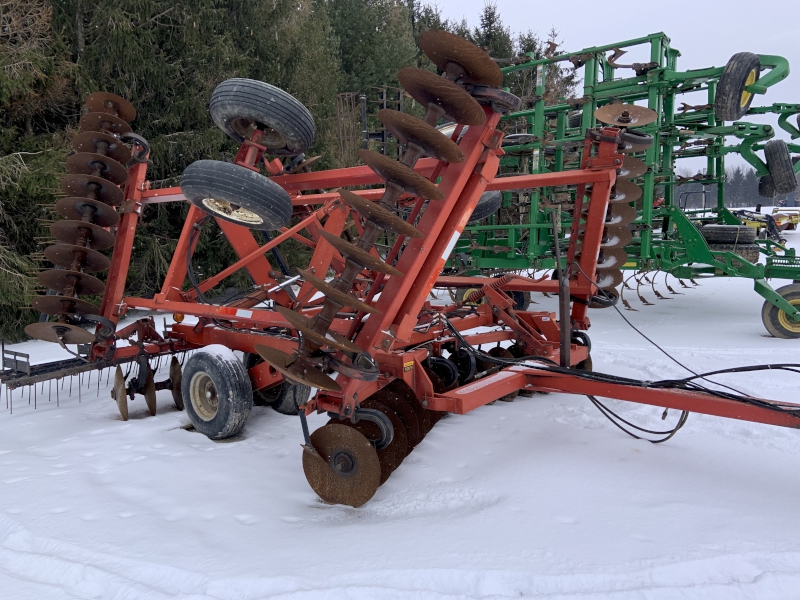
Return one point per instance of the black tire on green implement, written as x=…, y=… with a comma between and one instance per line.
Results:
x=779, y=163
x=488, y=204
x=729, y=234
x=777, y=321
x=749, y=252
x=731, y=100
x=238, y=106
x=766, y=187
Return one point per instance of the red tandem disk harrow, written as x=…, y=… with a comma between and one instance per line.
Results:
x=401, y=362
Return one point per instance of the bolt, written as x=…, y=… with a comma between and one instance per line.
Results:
x=424, y=403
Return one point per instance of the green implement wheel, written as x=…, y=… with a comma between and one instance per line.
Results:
x=777, y=321
x=732, y=99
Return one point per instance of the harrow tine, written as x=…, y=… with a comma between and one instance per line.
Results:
x=99, y=377
x=655, y=291
x=693, y=281
x=643, y=300
x=625, y=303
x=671, y=291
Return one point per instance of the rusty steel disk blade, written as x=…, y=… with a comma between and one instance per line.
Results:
x=339, y=297
x=342, y=466
x=97, y=121
x=612, y=258
x=608, y=279
x=392, y=455
x=428, y=88
x=411, y=130
x=625, y=115
x=106, y=102
x=63, y=255
x=57, y=305
x=175, y=380
x=461, y=60
x=150, y=392
x=616, y=237
x=119, y=393
x=87, y=163
x=303, y=325
x=98, y=142
x=631, y=168
x=67, y=232
x=58, y=279
x=401, y=175
x=359, y=256
x=411, y=423
x=620, y=214
x=53, y=332
x=89, y=186
x=282, y=362
x=100, y=213
x=625, y=191
x=372, y=211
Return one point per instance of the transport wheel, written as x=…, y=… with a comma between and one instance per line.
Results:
x=239, y=106
x=284, y=397
x=341, y=465
x=729, y=234
x=732, y=101
x=488, y=204
x=749, y=252
x=236, y=194
x=777, y=321
x=766, y=187
x=217, y=392
x=779, y=163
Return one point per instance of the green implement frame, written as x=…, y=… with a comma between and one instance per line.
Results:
x=666, y=238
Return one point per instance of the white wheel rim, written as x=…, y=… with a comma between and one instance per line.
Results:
x=203, y=396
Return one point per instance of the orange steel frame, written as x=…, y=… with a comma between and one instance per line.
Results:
x=390, y=336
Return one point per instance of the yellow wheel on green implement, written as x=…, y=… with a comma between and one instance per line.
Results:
x=777, y=321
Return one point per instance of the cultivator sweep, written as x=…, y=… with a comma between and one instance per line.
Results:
x=387, y=362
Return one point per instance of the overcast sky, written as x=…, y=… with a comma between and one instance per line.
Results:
x=707, y=33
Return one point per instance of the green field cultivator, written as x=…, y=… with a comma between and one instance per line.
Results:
x=658, y=104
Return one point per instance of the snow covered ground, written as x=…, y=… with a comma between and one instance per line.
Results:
x=541, y=497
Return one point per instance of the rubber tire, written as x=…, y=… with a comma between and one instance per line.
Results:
x=231, y=183
x=489, y=203
x=284, y=397
x=234, y=391
x=749, y=252
x=240, y=99
x=575, y=120
x=770, y=314
x=766, y=188
x=522, y=300
x=729, y=234
x=779, y=163
x=728, y=98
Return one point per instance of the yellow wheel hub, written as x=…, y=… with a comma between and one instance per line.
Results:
x=751, y=79
x=786, y=322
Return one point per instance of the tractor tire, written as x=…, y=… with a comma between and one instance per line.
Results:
x=488, y=204
x=779, y=163
x=216, y=392
x=766, y=187
x=238, y=106
x=233, y=193
x=776, y=321
x=749, y=252
x=284, y=397
x=729, y=234
x=731, y=101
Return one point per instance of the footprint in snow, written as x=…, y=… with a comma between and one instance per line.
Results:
x=246, y=519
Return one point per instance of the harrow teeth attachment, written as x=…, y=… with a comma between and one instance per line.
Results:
x=297, y=370
x=81, y=283
x=380, y=216
x=304, y=326
x=335, y=295
x=97, y=142
x=72, y=232
x=411, y=130
x=625, y=115
x=104, y=122
x=462, y=61
x=359, y=256
x=66, y=255
x=399, y=174
x=616, y=237
x=625, y=191
x=105, y=102
x=87, y=163
x=631, y=168
x=620, y=214
x=94, y=188
x=87, y=210
x=441, y=96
